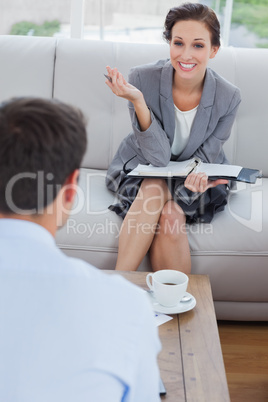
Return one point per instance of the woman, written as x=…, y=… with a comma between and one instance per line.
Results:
x=179, y=109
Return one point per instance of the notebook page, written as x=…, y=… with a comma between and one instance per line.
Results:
x=173, y=168
x=212, y=169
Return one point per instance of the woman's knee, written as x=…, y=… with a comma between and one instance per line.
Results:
x=155, y=186
x=154, y=193
x=172, y=220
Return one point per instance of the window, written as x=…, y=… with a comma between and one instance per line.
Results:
x=35, y=17
x=244, y=23
x=126, y=20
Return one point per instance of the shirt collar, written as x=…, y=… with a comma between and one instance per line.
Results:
x=208, y=93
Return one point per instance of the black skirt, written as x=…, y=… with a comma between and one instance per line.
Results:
x=201, y=210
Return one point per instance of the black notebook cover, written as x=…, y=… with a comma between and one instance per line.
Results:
x=246, y=175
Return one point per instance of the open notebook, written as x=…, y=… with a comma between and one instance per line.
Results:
x=183, y=169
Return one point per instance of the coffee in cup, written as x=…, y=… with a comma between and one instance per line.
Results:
x=169, y=286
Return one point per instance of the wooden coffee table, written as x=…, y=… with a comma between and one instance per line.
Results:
x=191, y=362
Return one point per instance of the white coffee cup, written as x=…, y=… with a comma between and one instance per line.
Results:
x=169, y=286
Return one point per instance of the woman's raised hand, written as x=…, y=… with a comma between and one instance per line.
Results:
x=199, y=183
x=121, y=87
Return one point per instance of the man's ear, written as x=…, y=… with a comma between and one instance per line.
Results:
x=70, y=185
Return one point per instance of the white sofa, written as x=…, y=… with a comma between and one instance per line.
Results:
x=233, y=250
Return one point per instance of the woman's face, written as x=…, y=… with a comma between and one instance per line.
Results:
x=191, y=49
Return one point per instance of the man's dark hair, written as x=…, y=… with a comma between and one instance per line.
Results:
x=197, y=12
x=41, y=143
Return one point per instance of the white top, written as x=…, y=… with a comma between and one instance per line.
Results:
x=183, y=124
x=69, y=332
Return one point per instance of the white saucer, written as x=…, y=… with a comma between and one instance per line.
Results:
x=181, y=307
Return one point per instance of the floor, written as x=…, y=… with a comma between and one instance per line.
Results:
x=245, y=354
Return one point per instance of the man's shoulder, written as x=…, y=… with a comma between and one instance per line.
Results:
x=111, y=283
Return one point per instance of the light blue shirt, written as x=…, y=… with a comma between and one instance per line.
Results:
x=69, y=332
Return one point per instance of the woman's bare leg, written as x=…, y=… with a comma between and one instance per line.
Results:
x=139, y=226
x=170, y=248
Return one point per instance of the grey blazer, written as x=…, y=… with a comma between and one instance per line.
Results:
x=210, y=129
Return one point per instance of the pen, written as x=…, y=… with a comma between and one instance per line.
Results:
x=196, y=161
x=191, y=171
x=108, y=78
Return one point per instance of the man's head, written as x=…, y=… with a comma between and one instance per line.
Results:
x=42, y=142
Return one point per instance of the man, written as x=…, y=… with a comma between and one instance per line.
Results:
x=68, y=332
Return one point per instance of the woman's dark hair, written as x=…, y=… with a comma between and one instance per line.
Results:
x=41, y=143
x=197, y=12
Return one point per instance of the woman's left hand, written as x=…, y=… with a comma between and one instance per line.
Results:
x=199, y=182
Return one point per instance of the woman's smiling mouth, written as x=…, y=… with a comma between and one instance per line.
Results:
x=186, y=66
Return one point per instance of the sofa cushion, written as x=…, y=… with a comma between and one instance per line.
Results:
x=91, y=224
x=233, y=248
x=252, y=118
x=27, y=66
x=79, y=79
